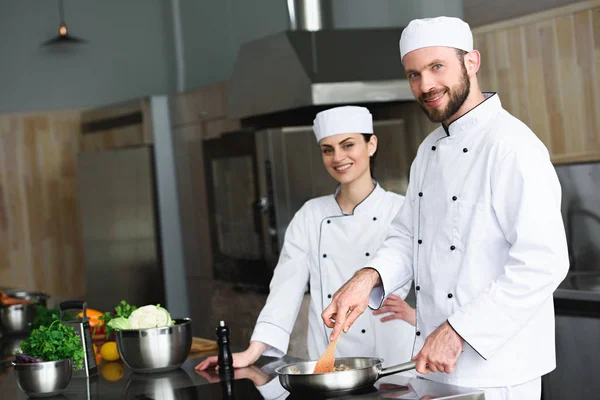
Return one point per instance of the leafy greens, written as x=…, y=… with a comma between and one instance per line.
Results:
x=54, y=342
x=122, y=311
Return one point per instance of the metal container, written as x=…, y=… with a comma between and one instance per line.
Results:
x=156, y=349
x=81, y=326
x=43, y=379
x=363, y=373
x=15, y=319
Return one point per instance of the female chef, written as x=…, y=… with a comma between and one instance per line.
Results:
x=326, y=242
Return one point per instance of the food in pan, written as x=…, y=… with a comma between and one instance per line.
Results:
x=341, y=367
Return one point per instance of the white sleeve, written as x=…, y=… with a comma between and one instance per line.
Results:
x=394, y=259
x=526, y=197
x=287, y=288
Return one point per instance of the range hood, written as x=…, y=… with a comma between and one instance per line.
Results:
x=302, y=68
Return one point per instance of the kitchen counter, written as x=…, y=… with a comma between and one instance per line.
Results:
x=257, y=382
x=580, y=285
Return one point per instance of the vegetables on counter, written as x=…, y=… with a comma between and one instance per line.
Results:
x=52, y=343
x=109, y=351
x=25, y=359
x=150, y=316
x=7, y=300
x=93, y=316
x=46, y=316
x=122, y=310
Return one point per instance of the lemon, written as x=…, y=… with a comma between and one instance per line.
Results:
x=113, y=371
x=109, y=351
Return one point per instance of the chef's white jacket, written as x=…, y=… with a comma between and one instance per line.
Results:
x=482, y=235
x=324, y=248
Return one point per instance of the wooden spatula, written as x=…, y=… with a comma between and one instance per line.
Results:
x=327, y=360
x=325, y=363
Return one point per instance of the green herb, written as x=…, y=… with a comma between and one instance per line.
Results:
x=123, y=309
x=54, y=342
x=46, y=316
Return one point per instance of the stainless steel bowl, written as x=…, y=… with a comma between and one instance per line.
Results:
x=43, y=379
x=155, y=349
x=15, y=319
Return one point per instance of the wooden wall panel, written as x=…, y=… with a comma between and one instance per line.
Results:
x=116, y=126
x=483, y=12
x=205, y=103
x=546, y=69
x=40, y=241
x=197, y=115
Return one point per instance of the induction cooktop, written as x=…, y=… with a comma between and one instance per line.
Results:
x=244, y=389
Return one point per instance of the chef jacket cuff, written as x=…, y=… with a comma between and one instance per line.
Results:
x=271, y=389
x=376, y=298
x=390, y=282
x=276, y=338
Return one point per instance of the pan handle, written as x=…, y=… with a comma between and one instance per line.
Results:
x=395, y=369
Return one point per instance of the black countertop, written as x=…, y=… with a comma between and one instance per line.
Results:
x=580, y=285
x=116, y=381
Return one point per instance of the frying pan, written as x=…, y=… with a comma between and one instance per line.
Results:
x=363, y=373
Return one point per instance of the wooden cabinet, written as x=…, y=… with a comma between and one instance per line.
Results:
x=546, y=69
x=198, y=105
x=40, y=236
x=120, y=125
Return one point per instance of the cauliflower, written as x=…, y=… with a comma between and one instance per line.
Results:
x=150, y=316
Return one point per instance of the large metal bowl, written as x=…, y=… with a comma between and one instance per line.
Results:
x=43, y=379
x=156, y=349
x=15, y=319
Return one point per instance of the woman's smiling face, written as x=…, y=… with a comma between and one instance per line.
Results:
x=346, y=156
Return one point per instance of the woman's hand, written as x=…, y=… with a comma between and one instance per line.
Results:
x=240, y=360
x=398, y=308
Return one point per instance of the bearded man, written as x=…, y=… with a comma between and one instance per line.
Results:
x=480, y=232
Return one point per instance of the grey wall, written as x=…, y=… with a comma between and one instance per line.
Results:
x=214, y=30
x=131, y=50
x=129, y=54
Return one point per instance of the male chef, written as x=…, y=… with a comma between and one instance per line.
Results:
x=480, y=232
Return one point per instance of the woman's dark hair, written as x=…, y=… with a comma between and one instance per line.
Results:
x=367, y=137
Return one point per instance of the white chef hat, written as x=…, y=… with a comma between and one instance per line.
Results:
x=345, y=119
x=439, y=31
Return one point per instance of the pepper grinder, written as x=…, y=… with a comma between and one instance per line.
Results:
x=225, y=358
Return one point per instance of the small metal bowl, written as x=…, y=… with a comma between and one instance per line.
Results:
x=156, y=349
x=43, y=379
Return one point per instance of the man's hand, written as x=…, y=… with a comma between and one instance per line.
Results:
x=352, y=298
x=398, y=308
x=440, y=352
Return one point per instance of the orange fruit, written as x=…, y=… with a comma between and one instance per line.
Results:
x=109, y=351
